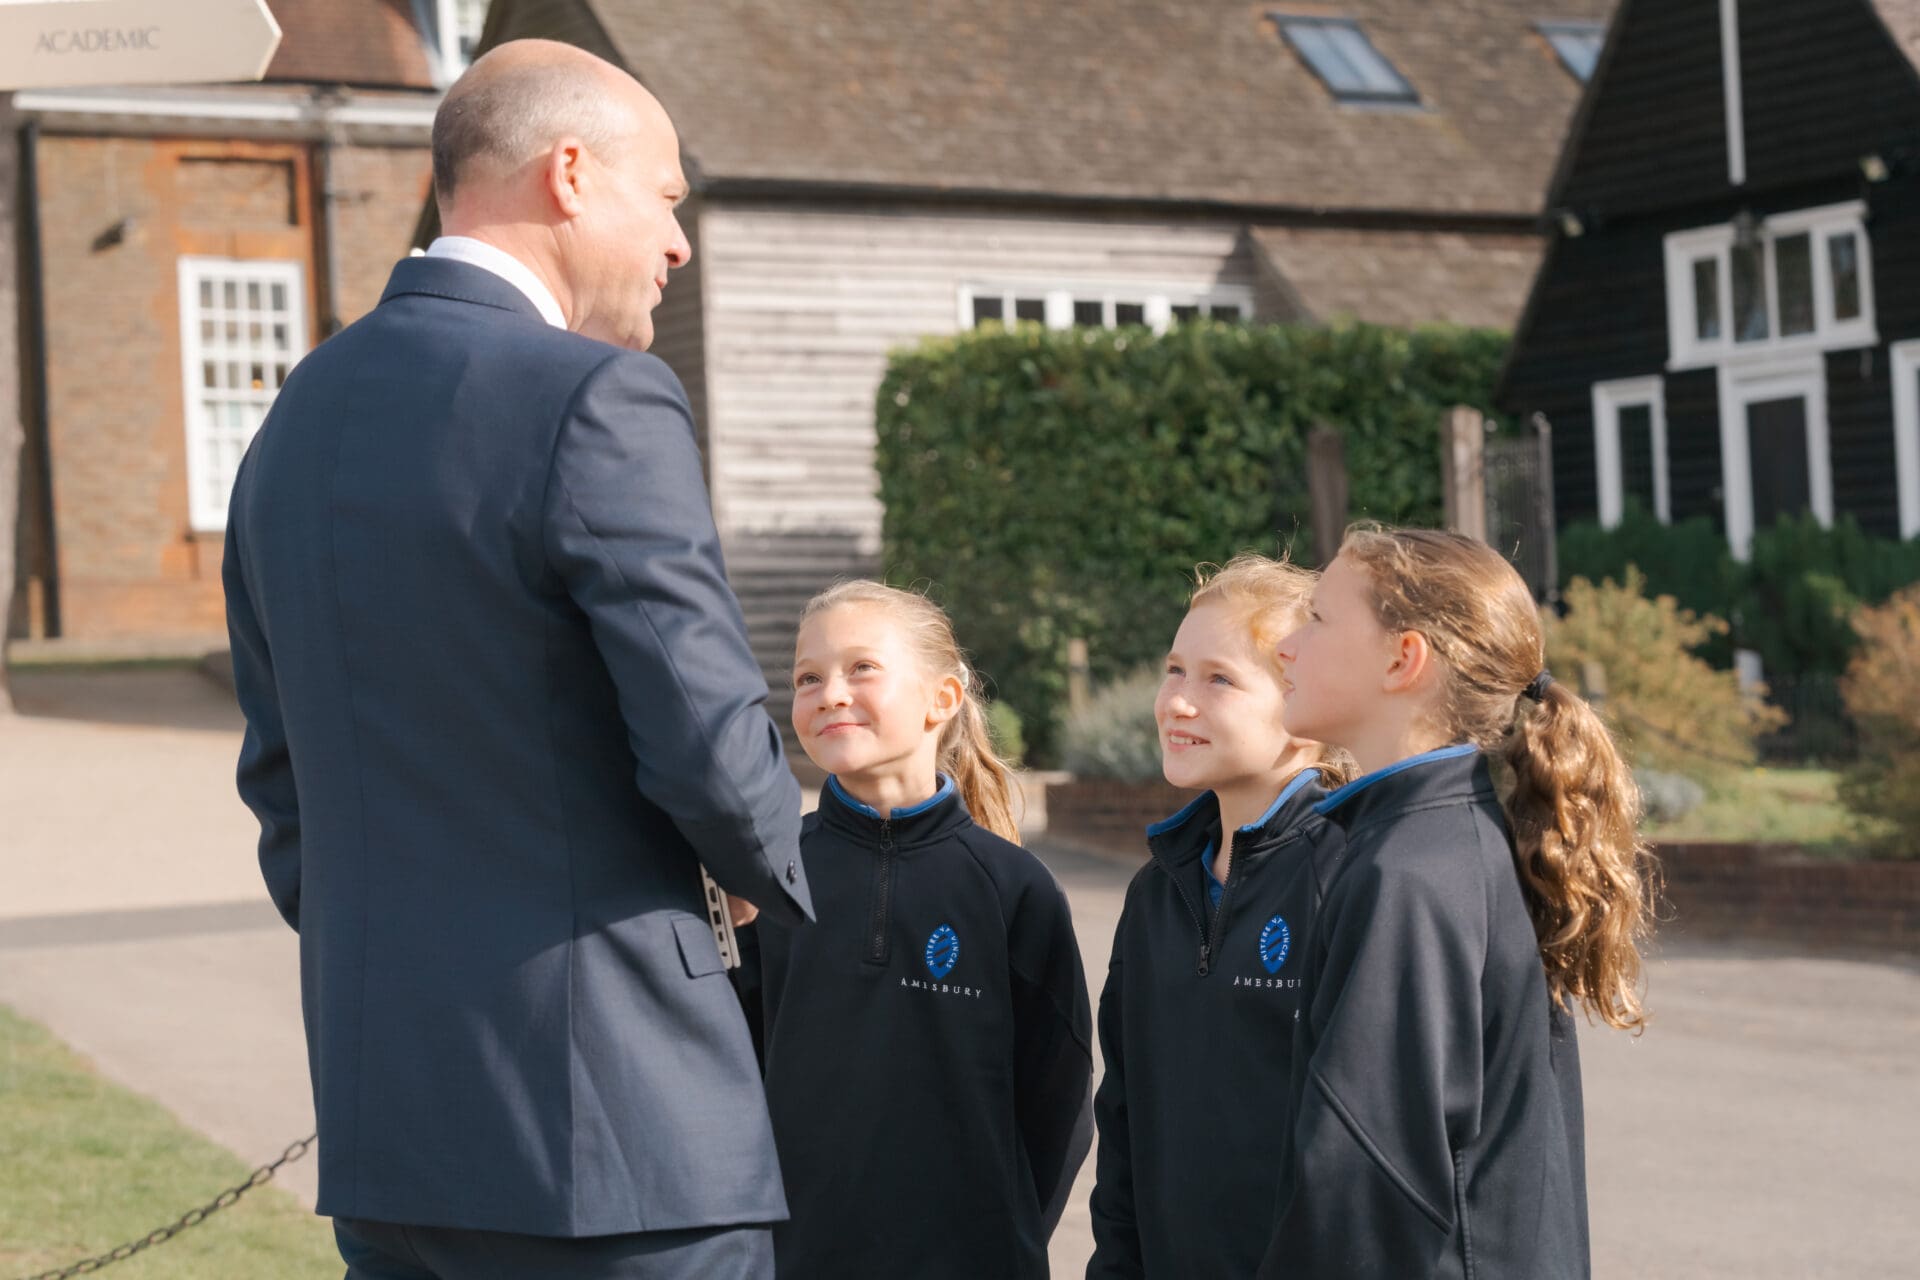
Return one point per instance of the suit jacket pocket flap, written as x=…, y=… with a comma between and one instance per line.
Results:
x=698, y=951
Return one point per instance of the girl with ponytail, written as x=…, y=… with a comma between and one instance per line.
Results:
x=1435, y=1124
x=927, y=1041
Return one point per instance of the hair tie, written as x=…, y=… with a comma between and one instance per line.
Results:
x=1537, y=687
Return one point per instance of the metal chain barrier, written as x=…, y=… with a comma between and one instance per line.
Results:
x=192, y=1218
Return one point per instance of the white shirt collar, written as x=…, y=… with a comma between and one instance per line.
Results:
x=478, y=253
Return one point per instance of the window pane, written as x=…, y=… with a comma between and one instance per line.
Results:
x=1185, y=313
x=209, y=374
x=279, y=297
x=1843, y=257
x=253, y=295
x=1793, y=269
x=1342, y=56
x=1226, y=311
x=1093, y=314
x=985, y=309
x=1029, y=308
x=1749, y=295
x=1578, y=47
x=232, y=295
x=1129, y=313
x=206, y=293
x=1636, y=454
x=1706, y=299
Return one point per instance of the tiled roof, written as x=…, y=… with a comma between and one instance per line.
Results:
x=1903, y=20
x=350, y=42
x=1401, y=277
x=1196, y=100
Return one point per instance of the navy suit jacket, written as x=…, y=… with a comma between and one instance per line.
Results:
x=499, y=705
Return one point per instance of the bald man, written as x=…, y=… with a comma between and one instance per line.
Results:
x=500, y=707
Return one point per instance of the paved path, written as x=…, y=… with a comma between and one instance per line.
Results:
x=1764, y=1128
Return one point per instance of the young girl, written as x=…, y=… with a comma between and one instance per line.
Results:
x=1436, y=1123
x=928, y=1040
x=1196, y=1022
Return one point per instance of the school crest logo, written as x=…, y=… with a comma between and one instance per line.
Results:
x=1275, y=940
x=943, y=951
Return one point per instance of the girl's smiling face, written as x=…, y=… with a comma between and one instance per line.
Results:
x=862, y=702
x=1219, y=709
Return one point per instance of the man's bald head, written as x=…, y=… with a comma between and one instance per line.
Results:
x=520, y=98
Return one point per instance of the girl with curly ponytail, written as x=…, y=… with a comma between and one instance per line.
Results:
x=1436, y=1125
x=936, y=1014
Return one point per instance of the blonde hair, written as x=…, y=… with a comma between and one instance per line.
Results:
x=1573, y=805
x=1270, y=598
x=983, y=779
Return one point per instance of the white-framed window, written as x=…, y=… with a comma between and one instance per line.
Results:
x=1799, y=281
x=456, y=34
x=1098, y=307
x=1630, y=448
x=243, y=325
x=1906, y=433
x=1775, y=458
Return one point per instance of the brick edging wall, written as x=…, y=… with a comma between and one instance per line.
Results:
x=1711, y=889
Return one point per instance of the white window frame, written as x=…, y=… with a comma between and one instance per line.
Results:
x=446, y=39
x=1905, y=358
x=1609, y=398
x=1743, y=384
x=1157, y=301
x=1683, y=248
x=206, y=496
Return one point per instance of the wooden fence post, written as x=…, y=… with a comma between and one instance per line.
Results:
x=1327, y=493
x=1463, y=475
x=1078, y=693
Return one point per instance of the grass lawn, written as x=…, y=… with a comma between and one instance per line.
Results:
x=86, y=1165
x=1800, y=806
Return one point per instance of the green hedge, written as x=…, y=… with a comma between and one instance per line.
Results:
x=1791, y=602
x=1053, y=484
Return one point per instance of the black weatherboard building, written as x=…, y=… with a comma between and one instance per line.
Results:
x=1727, y=322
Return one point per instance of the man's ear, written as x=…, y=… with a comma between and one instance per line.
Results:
x=948, y=697
x=565, y=176
x=1412, y=661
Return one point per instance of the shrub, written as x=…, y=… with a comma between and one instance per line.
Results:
x=1688, y=560
x=1114, y=735
x=1667, y=706
x=1062, y=483
x=1003, y=726
x=1882, y=689
x=1803, y=584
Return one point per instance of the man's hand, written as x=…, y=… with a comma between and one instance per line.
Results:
x=741, y=912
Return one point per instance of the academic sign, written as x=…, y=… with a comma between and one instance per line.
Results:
x=46, y=43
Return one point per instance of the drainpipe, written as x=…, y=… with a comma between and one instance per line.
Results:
x=32, y=281
x=324, y=102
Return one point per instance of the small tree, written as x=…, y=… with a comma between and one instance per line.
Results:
x=1668, y=707
x=1882, y=689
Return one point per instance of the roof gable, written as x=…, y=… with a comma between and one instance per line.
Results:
x=1194, y=100
x=374, y=43
x=1822, y=85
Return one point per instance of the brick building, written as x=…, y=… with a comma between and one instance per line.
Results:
x=179, y=249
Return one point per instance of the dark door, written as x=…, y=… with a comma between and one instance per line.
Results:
x=1777, y=450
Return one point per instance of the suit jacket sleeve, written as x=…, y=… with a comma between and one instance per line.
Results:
x=1392, y=1086
x=266, y=769
x=1116, y=1231
x=1053, y=1055
x=629, y=531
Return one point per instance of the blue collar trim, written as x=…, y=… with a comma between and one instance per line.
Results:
x=1360, y=784
x=1165, y=825
x=940, y=793
x=1292, y=789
